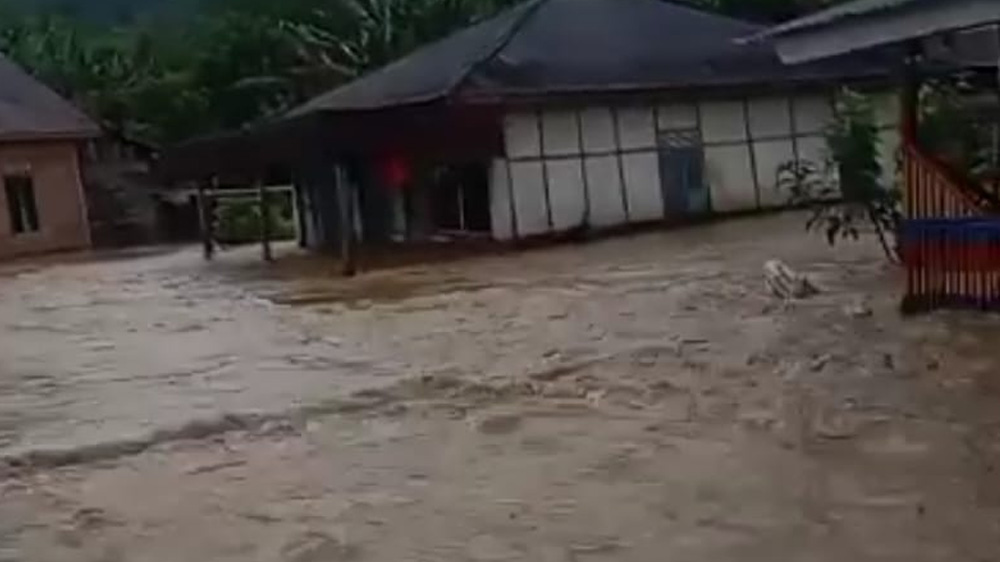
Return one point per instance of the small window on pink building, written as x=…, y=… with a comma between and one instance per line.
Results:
x=21, y=205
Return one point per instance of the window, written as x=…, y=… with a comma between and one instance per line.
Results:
x=21, y=206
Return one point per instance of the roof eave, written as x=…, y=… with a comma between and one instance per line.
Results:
x=862, y=32
x=35, y=136
x=813, y=80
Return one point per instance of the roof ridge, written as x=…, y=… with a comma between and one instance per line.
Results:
x=505, y=40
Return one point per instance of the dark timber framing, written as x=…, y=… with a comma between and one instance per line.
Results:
x=583, y=168
x=539, y=120
x=704, y=159
x=621, y=165
x=753, y=150
x=206, y=221
x=657, y=131
x=265, y=221
x=510, y=201
x=794, y=127
x=348, y=238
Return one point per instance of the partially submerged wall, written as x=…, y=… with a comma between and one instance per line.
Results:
x=603, y=166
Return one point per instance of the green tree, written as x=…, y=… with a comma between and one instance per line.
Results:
x=847, y=190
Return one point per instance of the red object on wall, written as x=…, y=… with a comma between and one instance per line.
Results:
x=395, y=171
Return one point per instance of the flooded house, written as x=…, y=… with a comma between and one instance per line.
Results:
x=43, y=207
x=553, y=117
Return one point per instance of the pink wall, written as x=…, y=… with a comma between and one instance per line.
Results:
x=54, y=167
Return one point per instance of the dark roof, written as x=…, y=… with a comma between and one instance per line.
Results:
x=31, y=111
x=538, y=50
x=551, y=47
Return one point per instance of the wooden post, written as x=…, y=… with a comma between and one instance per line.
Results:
x=910, y=99
x=265, y=221
x=996, y=132
x=206, y=222
x=298, y=215
x=345, y=208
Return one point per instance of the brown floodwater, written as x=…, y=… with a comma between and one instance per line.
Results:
x=637, y=398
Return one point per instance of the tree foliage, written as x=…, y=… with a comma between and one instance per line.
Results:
x=847, y=192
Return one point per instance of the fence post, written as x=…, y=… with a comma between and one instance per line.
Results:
x=207, y=222
x=345, y=206
x=265, y=221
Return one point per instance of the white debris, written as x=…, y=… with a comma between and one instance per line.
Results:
x=785, y=283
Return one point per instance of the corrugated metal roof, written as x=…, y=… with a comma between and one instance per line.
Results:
x=858, y=8
x=31, y=111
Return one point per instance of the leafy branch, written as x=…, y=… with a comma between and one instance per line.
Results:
x=847, y=191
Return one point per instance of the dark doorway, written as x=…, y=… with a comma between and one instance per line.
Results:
x=682, y=173
x=461, y=198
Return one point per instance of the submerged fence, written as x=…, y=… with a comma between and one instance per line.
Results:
x=950, y=240
x=952, y=263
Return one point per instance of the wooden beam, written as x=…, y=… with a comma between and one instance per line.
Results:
x=345, y=208
x=265, y=222
x=298, y=217
x=910, y=98
x=206, y=222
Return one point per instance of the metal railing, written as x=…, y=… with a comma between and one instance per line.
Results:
x=950, y=238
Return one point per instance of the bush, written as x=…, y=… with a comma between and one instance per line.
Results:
x=847, y=189
x=239, y=220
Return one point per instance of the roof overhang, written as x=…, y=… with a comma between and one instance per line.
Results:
x=36, y=136
x=437, y=130
x=799, y=41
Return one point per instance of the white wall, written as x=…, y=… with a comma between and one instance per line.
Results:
x=607, y=205
x=729, y=174
x=564, y=169
x=501, y=218
x=599, y=165
x=604, y=175
x=769, y=156
x=640, y=164
x=530, y=198
x=771, y=128
x=566, y=193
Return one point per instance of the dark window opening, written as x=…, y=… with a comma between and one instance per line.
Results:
x=21, y=205
x=461, y=198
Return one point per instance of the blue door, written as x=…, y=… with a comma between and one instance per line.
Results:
x=682, y=176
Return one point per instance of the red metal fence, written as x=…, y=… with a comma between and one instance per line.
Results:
x=950, y=239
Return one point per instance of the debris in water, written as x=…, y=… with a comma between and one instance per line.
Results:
x=785, y=283
x=320, y=547
x=499, y=424
x=819, y=363
x=860, y=309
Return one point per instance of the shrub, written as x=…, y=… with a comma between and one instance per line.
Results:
x=239, y=220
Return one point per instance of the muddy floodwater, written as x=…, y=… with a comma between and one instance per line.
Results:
x=631, y=399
